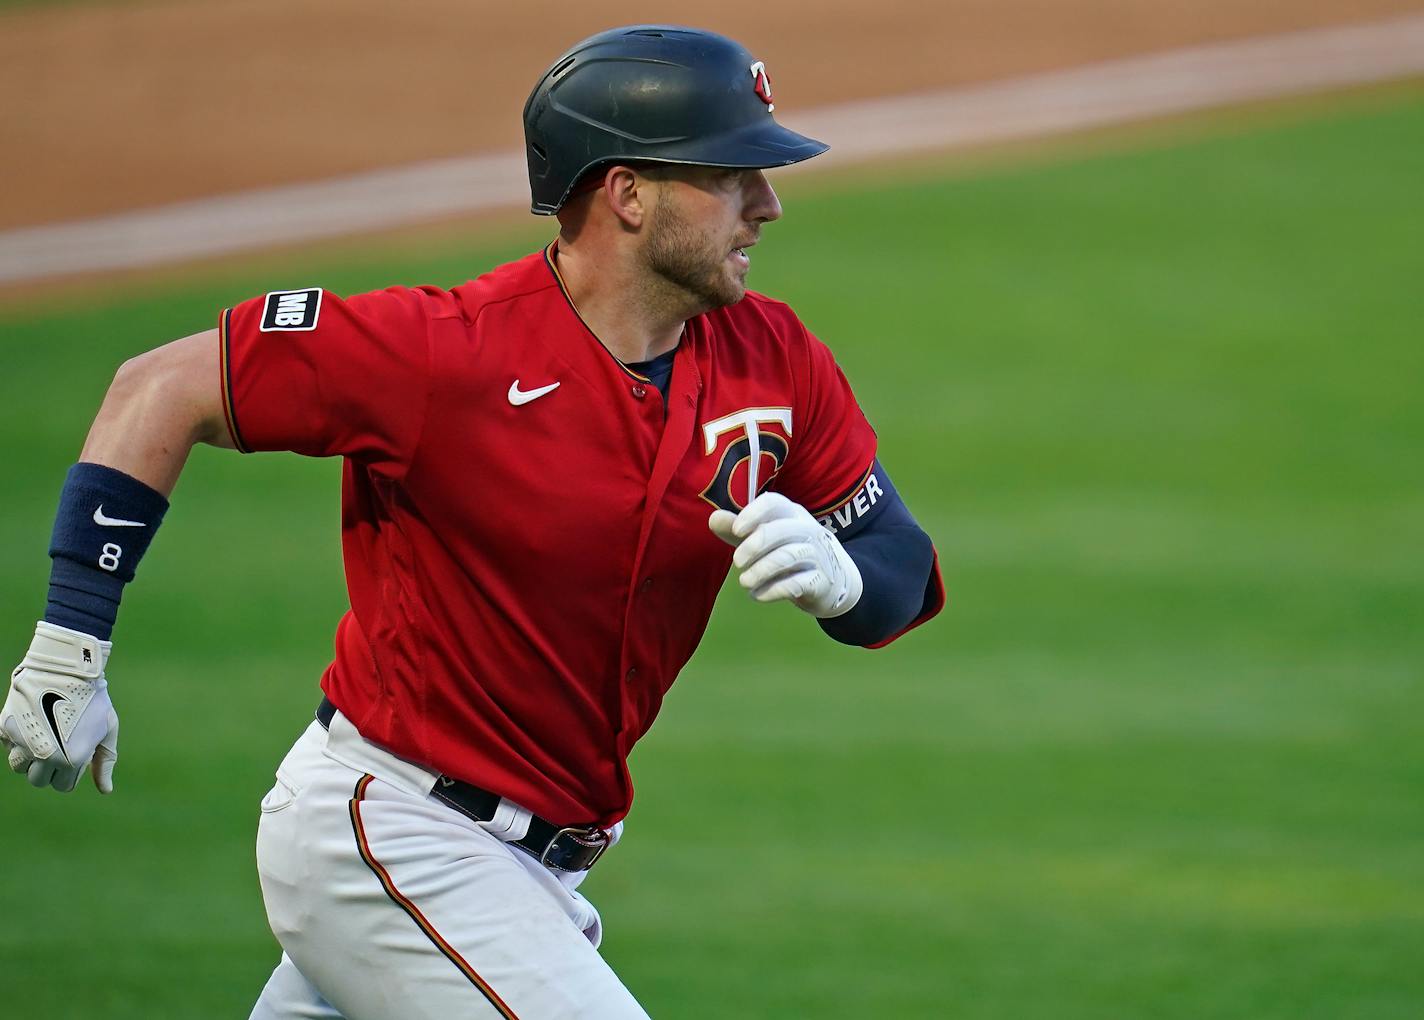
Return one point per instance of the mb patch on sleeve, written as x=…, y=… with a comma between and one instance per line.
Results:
x=291, y=310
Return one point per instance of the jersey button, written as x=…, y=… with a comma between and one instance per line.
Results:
x=646, y=585
x=632, y=674
x=639, y=390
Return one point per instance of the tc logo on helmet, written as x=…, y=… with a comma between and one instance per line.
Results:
x=763, y=85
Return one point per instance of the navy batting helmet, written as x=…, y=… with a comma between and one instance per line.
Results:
x=652, y=93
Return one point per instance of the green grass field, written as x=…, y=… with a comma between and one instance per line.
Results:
x=1162, y=756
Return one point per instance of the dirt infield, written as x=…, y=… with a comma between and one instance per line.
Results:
x=110, y=108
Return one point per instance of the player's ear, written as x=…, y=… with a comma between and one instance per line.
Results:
x=627, y=193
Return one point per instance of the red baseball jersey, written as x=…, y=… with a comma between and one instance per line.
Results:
x=524, y=524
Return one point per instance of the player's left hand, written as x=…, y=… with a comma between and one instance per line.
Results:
x=784, y=553
x=58, y=717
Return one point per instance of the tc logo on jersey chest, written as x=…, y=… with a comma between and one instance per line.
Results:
x=750, y=454
x=291, y=310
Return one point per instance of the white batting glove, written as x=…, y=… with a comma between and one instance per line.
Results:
x=784, y=553
x=58, y=717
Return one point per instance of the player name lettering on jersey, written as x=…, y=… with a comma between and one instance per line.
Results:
x=291, y=310
x=854, y=508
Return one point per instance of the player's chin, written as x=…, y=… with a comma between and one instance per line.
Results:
x=732, y=285
x=728, y=294
x=719, y=291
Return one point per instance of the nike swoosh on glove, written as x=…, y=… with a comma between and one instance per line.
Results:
x=58, y=717
x=784, y=553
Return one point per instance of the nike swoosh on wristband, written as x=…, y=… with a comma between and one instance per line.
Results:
x=114, y=522
x=47, y=703
x=518, y=396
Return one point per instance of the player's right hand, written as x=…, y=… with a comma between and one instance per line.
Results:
x=784, y=553
x=58, y=717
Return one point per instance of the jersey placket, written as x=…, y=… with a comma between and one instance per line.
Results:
x=677, y=435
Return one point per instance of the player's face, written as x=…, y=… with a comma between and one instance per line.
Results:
x=704, y=220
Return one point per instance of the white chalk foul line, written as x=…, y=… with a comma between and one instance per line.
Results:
x=1042, y=104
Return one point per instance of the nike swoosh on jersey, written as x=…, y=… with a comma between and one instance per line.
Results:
x=47, y=703
x=114, y=522
x=518, y=396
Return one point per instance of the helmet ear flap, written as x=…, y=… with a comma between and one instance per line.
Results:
x=591, y=180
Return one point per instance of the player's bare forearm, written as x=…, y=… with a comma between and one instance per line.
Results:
x=57, y=718
x=159, y=406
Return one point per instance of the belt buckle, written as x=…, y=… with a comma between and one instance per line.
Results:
x=586, y=840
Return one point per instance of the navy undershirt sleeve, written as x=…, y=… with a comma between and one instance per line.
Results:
x=895, y=557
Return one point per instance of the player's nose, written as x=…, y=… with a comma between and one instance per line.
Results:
x=762, y=205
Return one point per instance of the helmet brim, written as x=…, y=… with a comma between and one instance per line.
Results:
x=757, y=147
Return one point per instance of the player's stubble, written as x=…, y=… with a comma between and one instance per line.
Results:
x=691, y=260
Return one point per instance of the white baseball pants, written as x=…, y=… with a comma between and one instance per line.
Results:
x=389, y=905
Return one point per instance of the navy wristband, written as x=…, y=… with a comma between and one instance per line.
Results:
x=105, y=523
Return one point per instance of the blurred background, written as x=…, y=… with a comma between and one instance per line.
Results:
x=1150, y=378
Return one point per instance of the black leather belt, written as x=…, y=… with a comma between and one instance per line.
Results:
x=562, y=847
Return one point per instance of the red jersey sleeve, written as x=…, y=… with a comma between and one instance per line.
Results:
x=832, y=445
x=310, y=372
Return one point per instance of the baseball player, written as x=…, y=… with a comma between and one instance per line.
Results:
x=548, y=472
